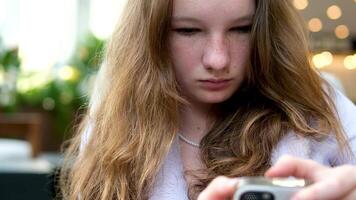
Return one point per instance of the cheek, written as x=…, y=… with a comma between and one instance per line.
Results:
x=241, y=51
x=184, y=56
x=240, y=55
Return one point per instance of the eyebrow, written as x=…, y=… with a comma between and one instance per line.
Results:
x=246, y=18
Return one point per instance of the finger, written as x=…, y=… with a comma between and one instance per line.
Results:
x=324, y=190
x=220, y=188
x=351, y=196
x=290, y=166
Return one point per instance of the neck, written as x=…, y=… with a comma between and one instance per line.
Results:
x=195, y=121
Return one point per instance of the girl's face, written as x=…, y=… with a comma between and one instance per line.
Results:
x=210, y=47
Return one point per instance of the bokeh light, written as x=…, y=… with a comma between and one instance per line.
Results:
x=68, y=73
x=334, y=12
x=300, y=4
x=323, y=59
x=350, y=62
x=342, y=32
x=315, y=25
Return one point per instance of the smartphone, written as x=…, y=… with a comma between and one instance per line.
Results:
x=261, y=188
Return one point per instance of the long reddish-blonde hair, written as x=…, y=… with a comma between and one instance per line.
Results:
x=134, y=118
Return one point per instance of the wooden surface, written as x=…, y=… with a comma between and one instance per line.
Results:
x=23, y=125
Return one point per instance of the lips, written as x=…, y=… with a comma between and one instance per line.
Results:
x=215, y=84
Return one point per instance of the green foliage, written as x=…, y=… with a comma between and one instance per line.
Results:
x=9, y=58
x=62, y=96
x=9, y=65
x=88, y=56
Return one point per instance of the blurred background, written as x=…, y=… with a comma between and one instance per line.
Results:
x=50, y=51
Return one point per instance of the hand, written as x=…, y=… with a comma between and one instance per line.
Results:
x=329, y=183
x=221, y=188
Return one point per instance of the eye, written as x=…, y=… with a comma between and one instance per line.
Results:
x=187, y=31
x=242, y=29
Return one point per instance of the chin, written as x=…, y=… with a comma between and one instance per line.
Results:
x=214, y=99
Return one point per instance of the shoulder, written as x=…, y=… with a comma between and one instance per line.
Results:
x=326, y=152
x=346, y=111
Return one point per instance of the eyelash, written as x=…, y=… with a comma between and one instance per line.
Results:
x=187, y=31
x=243, y=29
x=191, y=31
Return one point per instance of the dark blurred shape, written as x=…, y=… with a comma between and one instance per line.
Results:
x=23, y=185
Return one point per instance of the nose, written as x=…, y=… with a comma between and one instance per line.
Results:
x=216, y=53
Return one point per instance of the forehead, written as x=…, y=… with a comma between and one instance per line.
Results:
x=213, y=9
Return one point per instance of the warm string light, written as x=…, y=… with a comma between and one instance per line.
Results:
x=300, y=4
x=350, y=62
x=342, y=31
x=323, y=59
x=334, y=12
x=315, y=25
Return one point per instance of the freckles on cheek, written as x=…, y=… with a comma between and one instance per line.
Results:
x=242, y=51
x=183, y=55
x=181, y=46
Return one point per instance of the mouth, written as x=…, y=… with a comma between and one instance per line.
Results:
x=215, y=84
x=215, y=80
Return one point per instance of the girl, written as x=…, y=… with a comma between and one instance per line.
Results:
x=191, y=90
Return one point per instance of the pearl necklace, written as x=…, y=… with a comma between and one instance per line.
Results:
x=184, y=139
